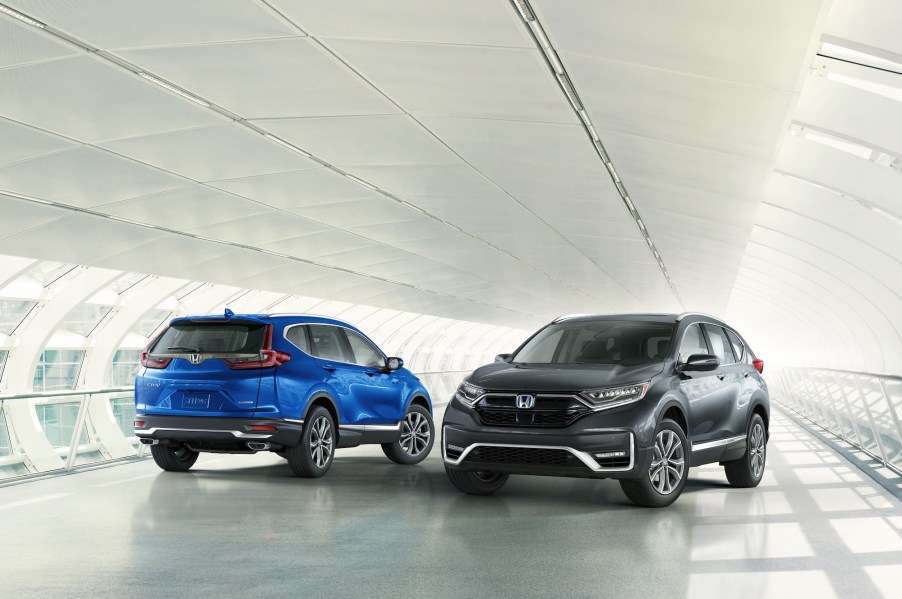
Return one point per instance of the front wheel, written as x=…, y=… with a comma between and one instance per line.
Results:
x=173, y=459
x=669, y=469
x=478, y=482
x=417, y=437
x=312, y=457
x=748, y=470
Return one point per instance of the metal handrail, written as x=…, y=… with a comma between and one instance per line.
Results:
x=66, y=393
x=809, y=392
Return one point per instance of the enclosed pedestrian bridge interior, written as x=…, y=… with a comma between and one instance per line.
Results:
x=449, y=177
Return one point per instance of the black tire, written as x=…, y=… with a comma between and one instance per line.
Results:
x=312, y=457
x=748, y=470
x=476, y=483
x=417, y=437
x=666, y=477
x=173, y=459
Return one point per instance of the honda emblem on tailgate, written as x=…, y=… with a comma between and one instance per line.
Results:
x=195, y=358
x=526, y=401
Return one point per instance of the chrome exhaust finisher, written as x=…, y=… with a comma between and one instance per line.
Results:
x=149, y=441
x=258, y=446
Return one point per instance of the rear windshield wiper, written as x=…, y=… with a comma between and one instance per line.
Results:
x=187, y=348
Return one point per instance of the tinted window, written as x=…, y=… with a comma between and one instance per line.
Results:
x=693, y=343
x=600, y=342
x=297, y=335
x=365, y=353
x=738, y=347
x=720, y=345
x=329, y=342
x=212, y=337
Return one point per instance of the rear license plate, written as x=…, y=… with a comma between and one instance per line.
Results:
x=196, y=401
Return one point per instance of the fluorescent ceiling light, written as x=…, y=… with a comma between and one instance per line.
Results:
x=838, y=51
x=361, y=181
x=17, y=15
x=524, y=10
x=887, y=91
x=284, y=143
x=840, y=144
x=174, y=89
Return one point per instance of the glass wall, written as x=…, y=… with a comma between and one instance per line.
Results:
x=58, y=422
x=84, y=318
x=5, y=444
x=3, y=355
x=58, y=369
x=12, y=312
x=124, y=367
x=124, y=413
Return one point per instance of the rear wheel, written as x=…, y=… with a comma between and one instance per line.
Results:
x=478, y=482
x=748, y=470
x=312, y=457
x=173, y=459
x=669, y=469
x=417, y=437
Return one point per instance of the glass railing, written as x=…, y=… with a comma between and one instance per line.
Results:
x=60, y=431
x=861, y=408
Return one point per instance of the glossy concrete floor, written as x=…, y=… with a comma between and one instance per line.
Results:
x=243, y=526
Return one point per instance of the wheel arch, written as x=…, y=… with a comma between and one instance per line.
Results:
x=325, y=400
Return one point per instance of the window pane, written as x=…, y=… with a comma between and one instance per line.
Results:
x=84, y=318
x=58, y=369
x=298, y=336
x=124, y=367
x=720, y=345
x=598, y=342
x=328, y=343
x=150, y=322
x=211, y=337
x=693, y=343
x=365, y=353
x=124, y=414
x=3, y=355
x=58, y=422
x=12, y=312
x=5, y=445
x=736, y=342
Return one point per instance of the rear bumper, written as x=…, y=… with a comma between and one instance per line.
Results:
x=218, y=434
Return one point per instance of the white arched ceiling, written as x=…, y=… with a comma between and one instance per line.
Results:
x=492, y=161
x=821, y=279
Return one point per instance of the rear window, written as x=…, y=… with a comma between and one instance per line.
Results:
x=211, y=338
x=601, y=342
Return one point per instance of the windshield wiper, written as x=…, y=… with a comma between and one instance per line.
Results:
x=187, y=348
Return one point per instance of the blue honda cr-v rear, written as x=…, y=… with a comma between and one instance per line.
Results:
x=300, y=386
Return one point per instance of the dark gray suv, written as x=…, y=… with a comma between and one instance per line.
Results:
x=638, y=397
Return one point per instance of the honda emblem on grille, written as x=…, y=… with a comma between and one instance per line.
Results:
x=195, y=358
x=526, y=401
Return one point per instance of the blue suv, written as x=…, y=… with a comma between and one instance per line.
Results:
x=300, y=386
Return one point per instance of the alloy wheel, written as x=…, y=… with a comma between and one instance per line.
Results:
x=668, y=463
x=756, y=450
x=321, y=442
x=415, y=433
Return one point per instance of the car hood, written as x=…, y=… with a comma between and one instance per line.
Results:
x=503, y=376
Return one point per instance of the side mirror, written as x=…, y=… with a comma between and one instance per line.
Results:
x=699, y=363
x=503, y=358
x=393, y=364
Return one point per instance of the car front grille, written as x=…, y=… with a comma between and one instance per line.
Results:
x=549, y=411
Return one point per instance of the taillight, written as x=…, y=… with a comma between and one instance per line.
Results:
x=759, y=365
x=268, y=356
x=147, y=361
x=139, y=424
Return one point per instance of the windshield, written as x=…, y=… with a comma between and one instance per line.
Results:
x=629, y=343
x=211, y=337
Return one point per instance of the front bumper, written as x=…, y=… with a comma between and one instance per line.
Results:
x=229, y=435
x=593, y=447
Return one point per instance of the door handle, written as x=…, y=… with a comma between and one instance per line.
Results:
x=720, y=377
x=329, y=368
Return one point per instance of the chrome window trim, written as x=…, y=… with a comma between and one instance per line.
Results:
x=583, y=456
x=712, y=444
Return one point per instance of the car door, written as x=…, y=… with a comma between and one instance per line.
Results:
x=725, y=422
x=378, y=394
x=330, y=347
x=704, y=390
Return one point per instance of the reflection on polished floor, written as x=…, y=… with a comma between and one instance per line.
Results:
x=244, y=526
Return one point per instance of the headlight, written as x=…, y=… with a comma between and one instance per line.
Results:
x=611, y=397
x=469, y=394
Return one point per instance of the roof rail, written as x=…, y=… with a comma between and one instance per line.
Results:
x=569, y=316
x=705, y=314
